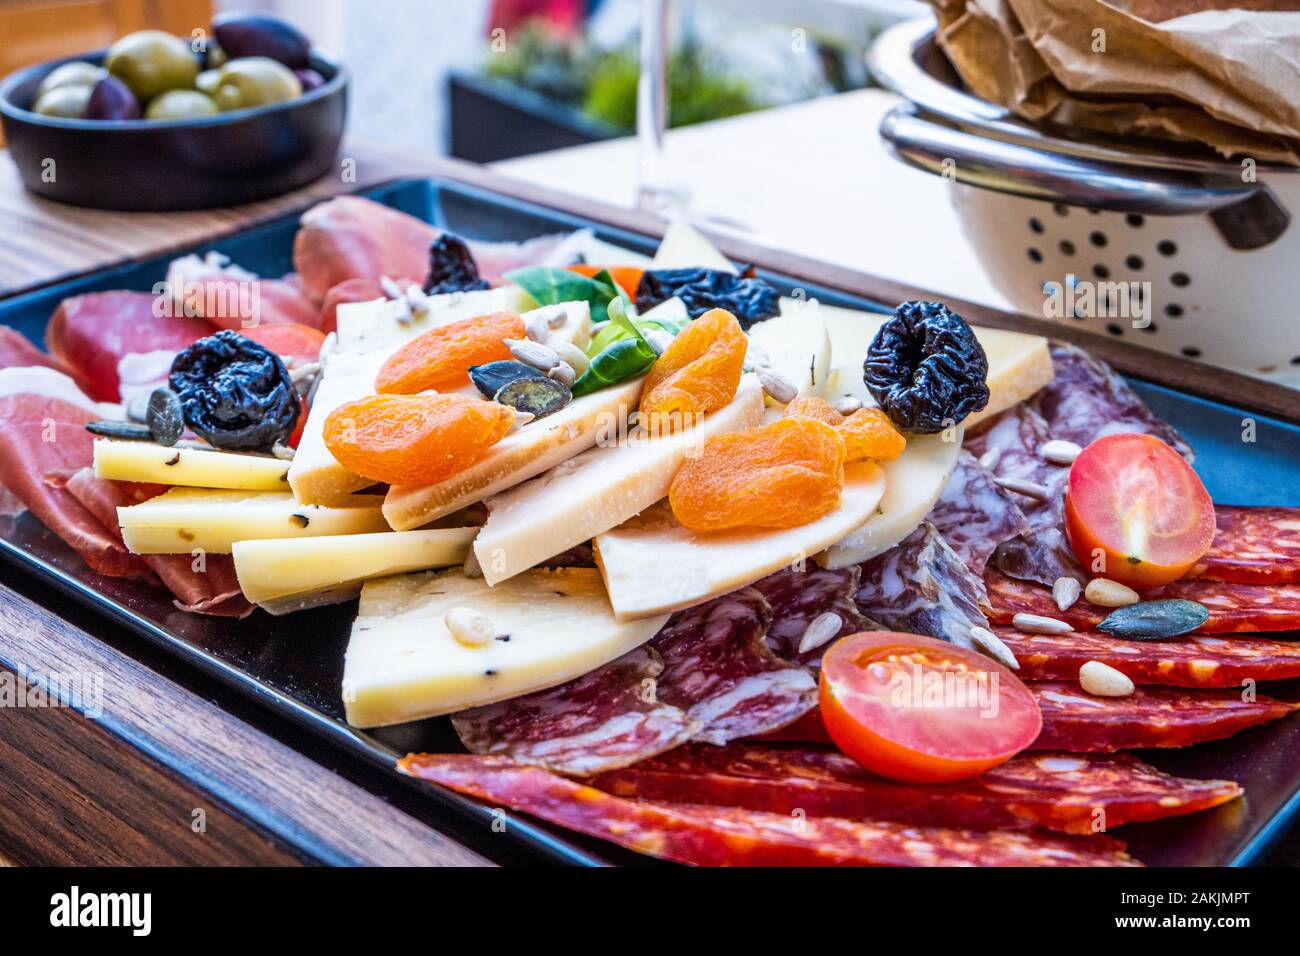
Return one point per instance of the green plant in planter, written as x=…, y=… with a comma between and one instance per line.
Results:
x=548, y=65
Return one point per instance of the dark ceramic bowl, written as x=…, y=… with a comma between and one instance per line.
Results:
x=141, y=165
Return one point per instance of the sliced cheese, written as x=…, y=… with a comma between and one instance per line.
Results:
x=191, y=467
x=380, y=324
x=652, y=565
x=188, y=519
x=683, y=247
x=524, y=454
x=797, y=346
x=597, y=490
x=1019, y=364
x=913, y=482
x=403, y=663
x=271, y=571
x=567, y=322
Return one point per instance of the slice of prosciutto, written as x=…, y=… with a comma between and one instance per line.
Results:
x=719, y=669
x=212, y=288
x=608, y=718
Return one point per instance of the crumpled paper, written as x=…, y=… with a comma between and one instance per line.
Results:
x=1180, y=70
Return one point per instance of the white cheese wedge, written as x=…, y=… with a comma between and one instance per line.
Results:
x=913, y=482
x=797, y=346
x=272, y=571
x=526, y=453
x=652, y=565
x=190, y=467
x=379, y=324
x=1019, y=364
x=567, y=322
x=188, y=519
x=549, y=626
x=683, y=247
x=597, y=490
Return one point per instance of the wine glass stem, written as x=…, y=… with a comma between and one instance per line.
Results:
x=652, y=104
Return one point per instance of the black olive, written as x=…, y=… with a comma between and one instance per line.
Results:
x=748, y=298
x=164, y=417
x=1155, y=620
x=494, y=376
x=257, y=34
x=235, y=393
x=541, y=396
x=451, y=267
x=126, y=431
x=926, y=368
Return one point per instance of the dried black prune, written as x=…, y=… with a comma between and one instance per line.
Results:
x=926, y=368
x=748, y=298
x=452, y=267
x=235, y=393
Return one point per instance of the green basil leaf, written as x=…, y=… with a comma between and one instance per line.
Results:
x=549, y=286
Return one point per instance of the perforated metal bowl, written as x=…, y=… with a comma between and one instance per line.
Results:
x=1172, y=248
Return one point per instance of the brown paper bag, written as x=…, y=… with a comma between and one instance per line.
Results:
x=1228, y=78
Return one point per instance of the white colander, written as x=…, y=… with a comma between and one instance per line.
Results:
x=1174, y=251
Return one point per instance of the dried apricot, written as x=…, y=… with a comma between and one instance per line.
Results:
x=414, y=439
x=698, y=373
x=780, y=475
x=440, y=358
x=867, y=433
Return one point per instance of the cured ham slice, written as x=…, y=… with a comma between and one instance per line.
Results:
x=1258, y=545
x=732, y=836
x=798, y=596
x=1149, y=717
x=40, y=435
x=228, y=297
x=355, y=238
x=1058, y=791
x=91, y=333
x=608, y=718
x=17, y=351
x=719, y=669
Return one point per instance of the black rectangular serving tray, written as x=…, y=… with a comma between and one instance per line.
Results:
x=293, y=665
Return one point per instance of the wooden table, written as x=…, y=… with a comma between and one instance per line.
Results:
x=172, y=747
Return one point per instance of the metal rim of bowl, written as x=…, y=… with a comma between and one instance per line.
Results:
x=340, y=79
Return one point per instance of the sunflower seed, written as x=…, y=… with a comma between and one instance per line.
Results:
x=1065, y=592
x=820, y=630
x=470, y=627
x=563, y=373
x=990, y=645
x=576, y=357
x=756, y=357
x=1022, y=487
x=391, y=289
x=659, y=340
x=521, y=419
x=1102, y=680
x=847, y=406
x=1037, y=624
x=989, y=460
x=1104, y=592
x=417, y=300
x=532, y=353
x=296, y=375
x=1060, y=452
x=282, y=451
x=778, y=388
x=402, y=313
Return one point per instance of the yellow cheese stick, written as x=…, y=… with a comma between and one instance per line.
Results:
x=191, y=467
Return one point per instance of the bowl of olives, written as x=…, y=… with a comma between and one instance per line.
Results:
x=157, y=122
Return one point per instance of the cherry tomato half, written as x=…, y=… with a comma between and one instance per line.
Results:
x=917, y=709
x=1135, y=505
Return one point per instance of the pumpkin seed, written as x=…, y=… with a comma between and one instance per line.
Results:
x=164, y=417
x=540, y=396
x=1155, y=620
x=126, y=431
x=491, y=377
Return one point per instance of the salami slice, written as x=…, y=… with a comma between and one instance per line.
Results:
x=975, y=515
x=1201, y=660
x=1058, y=791
x=607, y=718
x=719, y=669
x=1233, y=607
x=797, y=597
x=733, y=836
x=1254, y=546
x=1149, y=717
x=923, y=587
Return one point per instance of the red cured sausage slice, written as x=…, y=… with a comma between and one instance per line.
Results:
x=1196, y=661
x=730, y=836
x=797, y=597
x=17, y=352
x=607, y=718
x=1058, y=791
x=1253, y=546
x=719, y=669
x=974, y=515
x=1149, y=717
x=1233, y=607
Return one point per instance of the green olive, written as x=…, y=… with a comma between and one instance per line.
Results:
x=217, y=57
x=255, y=81
x=151, y=62
x=76, y=73
x=207, y=81
x=180, y=104
x=66, y=101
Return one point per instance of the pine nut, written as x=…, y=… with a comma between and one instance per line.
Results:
x=1102, y=680
x=1066, y=591
x=1027, y=488
x=989, y=460
x=756, y=357
x=532, y=353
x=991, y=645
x=820, y=630
x=576, y=357
x=1037, y=624
x=1060, y=452
x=1104, y=592
x=469, y=626
x=778, y=388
